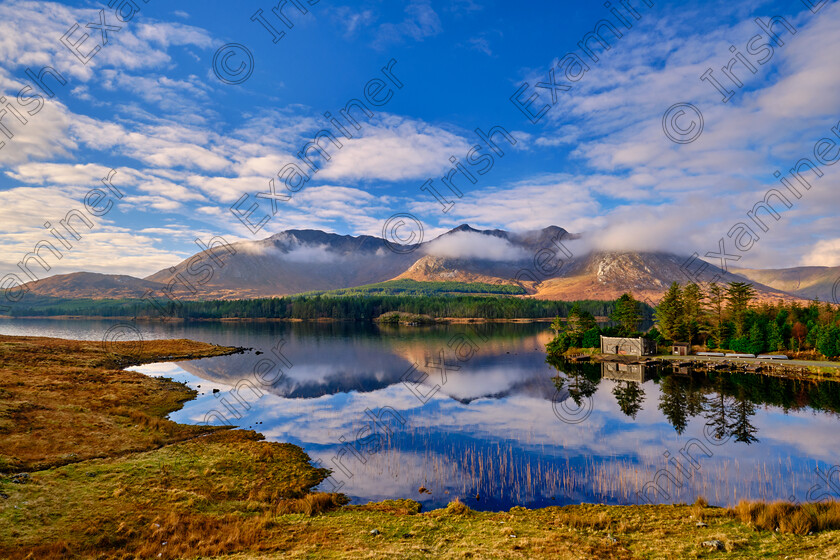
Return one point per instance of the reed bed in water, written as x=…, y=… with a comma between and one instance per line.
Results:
x=499, y=474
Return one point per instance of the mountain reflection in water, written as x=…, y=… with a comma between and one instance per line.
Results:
x=490, y=435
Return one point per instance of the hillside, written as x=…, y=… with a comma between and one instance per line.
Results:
x=646, y=275
x=303, y=261
x=443, y=269
x=808, y=282
x=91, y=285
x=296, y=261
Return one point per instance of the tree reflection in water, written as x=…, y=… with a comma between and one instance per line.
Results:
x=727, y=400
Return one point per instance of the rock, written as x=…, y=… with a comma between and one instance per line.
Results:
x=21, y=478
x=4, y=496
x=713, y=544
x=215, y=390
x=374, y=532
x=701, y=524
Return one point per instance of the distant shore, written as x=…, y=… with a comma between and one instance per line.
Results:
x=448, y=320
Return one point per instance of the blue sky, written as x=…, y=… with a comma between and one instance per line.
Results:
x=186, y=146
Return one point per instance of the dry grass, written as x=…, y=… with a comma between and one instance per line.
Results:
x=312, y=504
x=698, y=510
x=799, y=519
x=457, y=507
x=595, y=522
x=122, y=481
x=395, y=507
x=63, y=401
x=208, y=496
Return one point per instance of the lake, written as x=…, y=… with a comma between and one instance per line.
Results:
x=475, y=412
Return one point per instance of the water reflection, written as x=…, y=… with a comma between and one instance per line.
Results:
x=727, y=400
x=490, y=435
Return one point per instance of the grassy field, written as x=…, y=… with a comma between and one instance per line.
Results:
x=66, y=401
x=92, y=470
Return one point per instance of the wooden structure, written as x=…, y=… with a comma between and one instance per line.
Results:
x=640, y=346
x=680, y=349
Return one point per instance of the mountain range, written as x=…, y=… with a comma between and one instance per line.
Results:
x=549, y=263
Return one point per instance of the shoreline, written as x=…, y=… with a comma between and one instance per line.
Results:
x=791, y=369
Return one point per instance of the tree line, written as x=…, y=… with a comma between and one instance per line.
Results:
x=356, y=308
x=410, y=287
x=729, y=317
x=580, y=330
x=722, y=316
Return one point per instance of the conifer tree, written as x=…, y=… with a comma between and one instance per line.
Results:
x=717, y=298
x=738, y=298
x=693, y=308
x=627, y=315
x=669, y=312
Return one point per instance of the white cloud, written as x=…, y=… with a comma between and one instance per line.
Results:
x=60, y=173
x=43, y=136
x=352, y=21
x=107, y=247
x=825, y=253
x=421, y=21
x=472, y=245
x=397, y=149
x=526, y=205
x=312, y=254
x=29, y=33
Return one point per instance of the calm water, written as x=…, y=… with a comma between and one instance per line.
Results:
x=500, y=426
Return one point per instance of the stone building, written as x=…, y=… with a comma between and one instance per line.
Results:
x=640, y=346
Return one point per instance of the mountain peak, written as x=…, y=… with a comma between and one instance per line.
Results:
x=462, y=227
x=466, y=228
